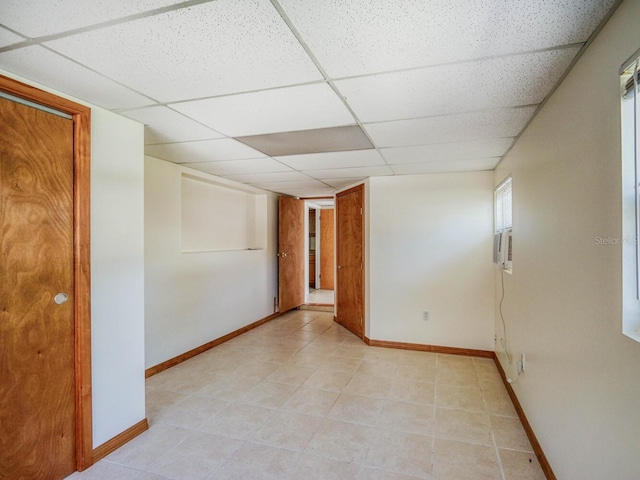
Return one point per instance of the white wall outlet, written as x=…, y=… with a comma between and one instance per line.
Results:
x=425, y=316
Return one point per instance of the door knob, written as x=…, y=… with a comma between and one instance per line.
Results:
x=339, y=267
x=61, y=298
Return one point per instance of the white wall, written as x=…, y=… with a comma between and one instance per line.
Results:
x=117, y=270
x=117, y=273
x=430, y=248
x=193, y=298
x=581, y=387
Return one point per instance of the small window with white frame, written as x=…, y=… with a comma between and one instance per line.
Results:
x=503, y=213
x=630, y=121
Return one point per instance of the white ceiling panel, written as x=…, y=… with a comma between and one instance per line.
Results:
x=163, y=125
x=213, y=49
x=8, y=38
x=237, y=167
x=439, y=152
x=277, y=186
x=280, y=110
x=506, y=122
x=360, y=172
x=41, y=65
x=342, y=182
x=494, y=83
x=450, y=166
x=308, y=192
x=202, y=151
x=323, y=161
x=36, y=18
x=367, y=36
x=269, y=177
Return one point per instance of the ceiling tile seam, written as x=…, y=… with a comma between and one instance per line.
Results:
x=319, y=66
x=442, y=115
x=462, y=62
x=574, y=61
x=46, y=47
x=382, y=149
x=15, y=32
x=432, y=162
x=242, y=92
x=101, y=25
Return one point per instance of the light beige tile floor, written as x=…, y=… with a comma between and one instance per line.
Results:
x=302, y=398
x=324, y=297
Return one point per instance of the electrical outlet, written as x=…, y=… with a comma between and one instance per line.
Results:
x=425, y=316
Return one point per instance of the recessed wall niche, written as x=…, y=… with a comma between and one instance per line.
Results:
x=221, y=217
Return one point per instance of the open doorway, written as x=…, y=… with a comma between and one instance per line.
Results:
x=319, y=252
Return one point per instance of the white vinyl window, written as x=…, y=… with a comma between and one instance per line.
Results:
x=503, y=206
x=630, y=121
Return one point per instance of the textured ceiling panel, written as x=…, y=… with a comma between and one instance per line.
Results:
x=331, y=139
x=163, y=125
x=237, y=167
x=450, y=128
x=499, y=82
x=37, y=17
x=284, y=109
x=359, y=172
x=451, y=166
x=320, y=161
x=367, y=36
x=342, y=182
x=289, y=185
x=41, y=65
x=8, y=38
x=492, y=147
x=202, y=151
x=270, y=177
x=308, y=192
x=212, y=49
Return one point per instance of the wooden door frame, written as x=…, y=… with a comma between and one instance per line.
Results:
x=81, y=117
x=360, y=186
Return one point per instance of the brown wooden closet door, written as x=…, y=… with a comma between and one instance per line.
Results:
x=327, y=251
x=37, y=389
x=291, y=256
x=350, y=259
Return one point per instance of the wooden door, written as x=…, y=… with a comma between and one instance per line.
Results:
x=350, y=259
x=291, y=255
x=327, y=255
x=37, y=350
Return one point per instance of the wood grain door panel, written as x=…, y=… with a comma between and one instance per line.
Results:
x=327, y=251
x=37, y=349
x=291, y=257
x=350, y=259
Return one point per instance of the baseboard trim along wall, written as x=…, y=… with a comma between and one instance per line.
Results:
x=119, y=440
x=542, y=459
x=430, y=348
x=172, y=362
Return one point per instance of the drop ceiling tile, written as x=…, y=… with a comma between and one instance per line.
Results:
x=463, y=87
x=237, y=167
x=288, y=185
x=202, y=151
x=36, y=17
x=9, y=38
x=471, y=165
x=342, y=182
x=280, y=110
x=507, y=122
x=366, y=36
x=323, y=161
x=269, y=177
x=343, y=173
x=317, y=140
x=492, y=147
x=210, y=49
x=307, y=192
x=41, y=65
x=163, y=125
